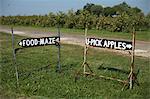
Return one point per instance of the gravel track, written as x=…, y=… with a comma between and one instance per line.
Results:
x=142, y=48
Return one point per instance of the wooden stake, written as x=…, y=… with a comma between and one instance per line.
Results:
x=85, y=64
x=107, y=78
x=85, y=50
x=58, y=62
x=14, y=57
x=132, y=78
x=132, y=61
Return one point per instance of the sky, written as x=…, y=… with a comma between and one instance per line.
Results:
x=41, y=7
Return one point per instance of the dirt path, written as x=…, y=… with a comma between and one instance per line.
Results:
x=142, y=47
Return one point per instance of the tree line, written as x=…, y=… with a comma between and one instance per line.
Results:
x=120, y=18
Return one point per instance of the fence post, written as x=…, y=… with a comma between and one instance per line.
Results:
x=85, y=48
x=58, y=62
x=132, y=60
x=14, y=56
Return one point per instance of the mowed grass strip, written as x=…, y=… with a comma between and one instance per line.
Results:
x=38, y=78
x=140, y=35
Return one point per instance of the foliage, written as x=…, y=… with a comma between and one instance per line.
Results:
x=120, y=18
x=94, y=9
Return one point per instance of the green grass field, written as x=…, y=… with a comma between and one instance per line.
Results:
x=44, y=83
x=140, y=35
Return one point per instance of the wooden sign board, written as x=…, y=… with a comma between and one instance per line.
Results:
x=111, y=44
x=31, y=42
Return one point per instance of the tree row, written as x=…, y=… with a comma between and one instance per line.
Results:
x=120, y=18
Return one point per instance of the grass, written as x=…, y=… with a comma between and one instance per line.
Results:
x=140, y=35
x=46, y=83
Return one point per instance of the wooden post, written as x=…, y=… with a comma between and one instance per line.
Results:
x=58, y=62
x=85, y=53
x=132, y=61
x=85, y=49
x=84, y=64
x=14, y=56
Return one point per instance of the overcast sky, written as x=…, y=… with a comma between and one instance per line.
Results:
x=30, y=7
